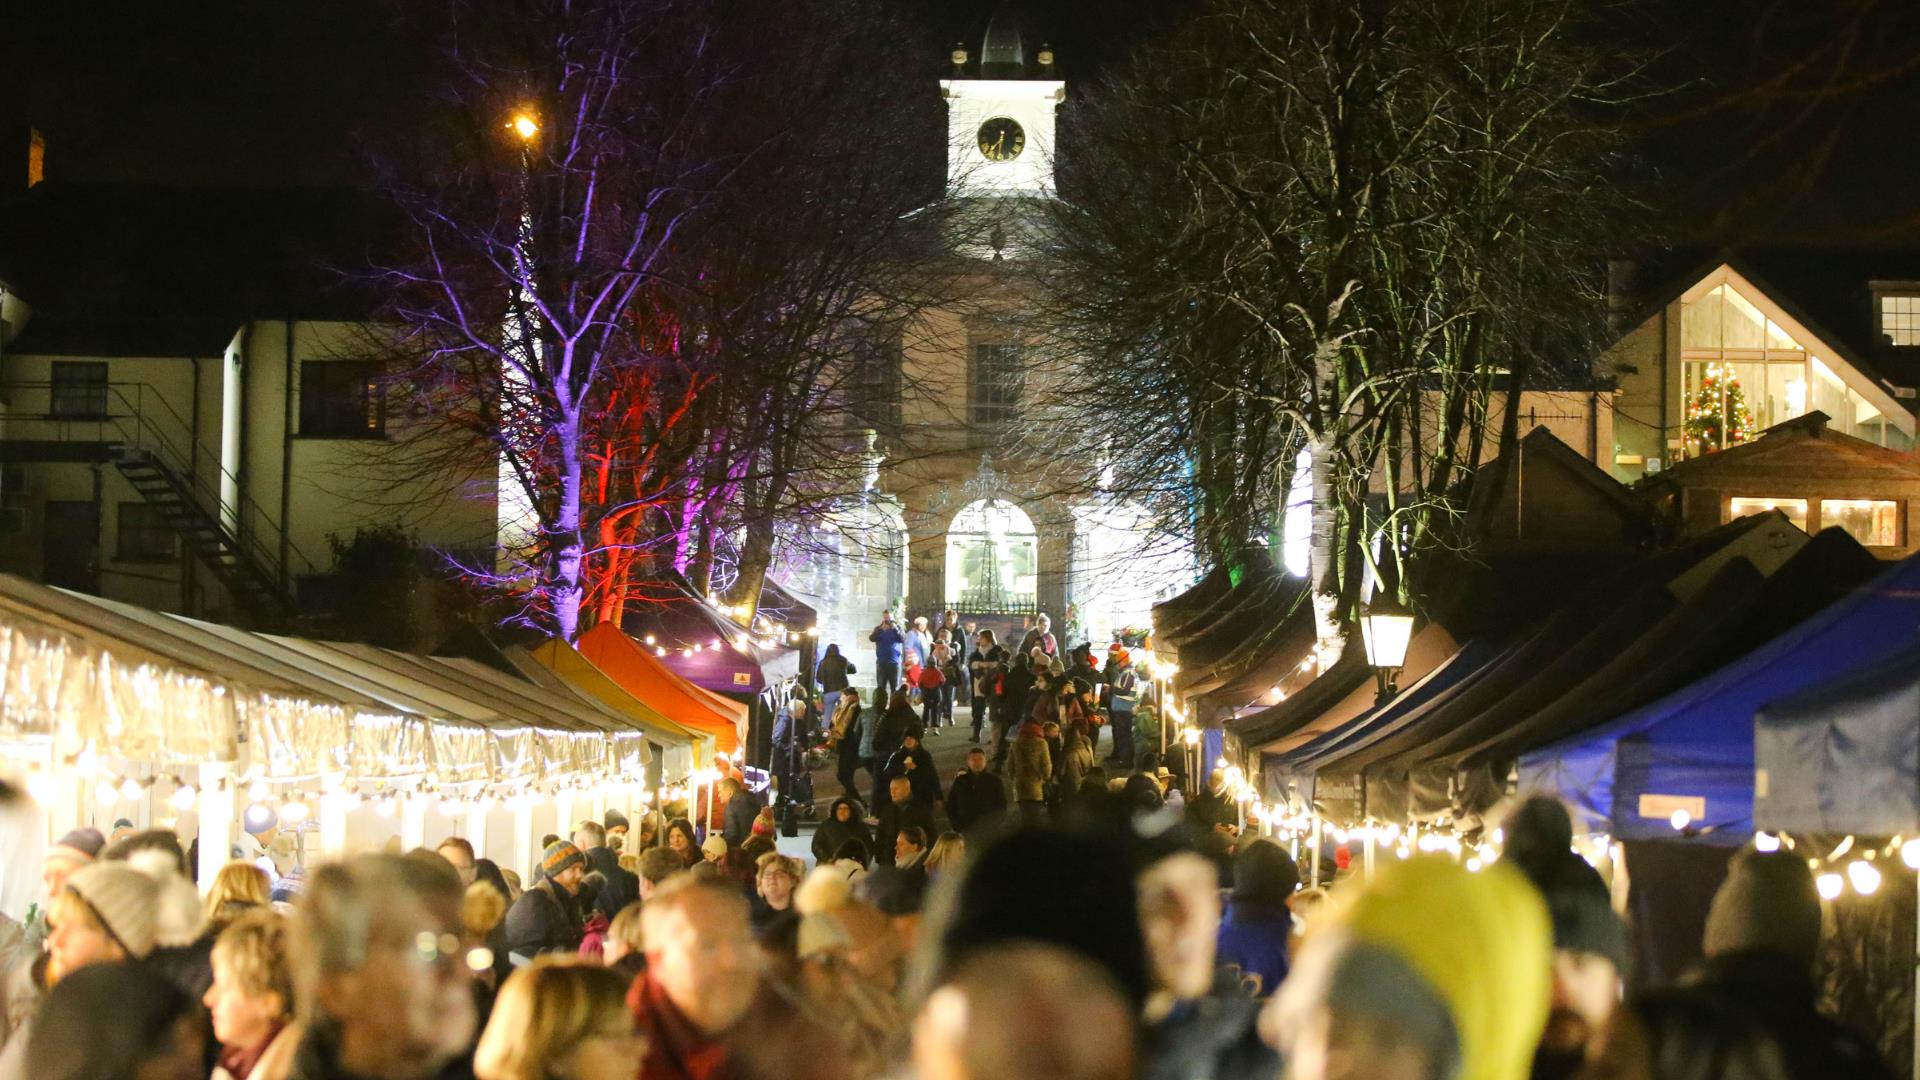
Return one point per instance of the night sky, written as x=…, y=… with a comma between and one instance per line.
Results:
x=1785, y=122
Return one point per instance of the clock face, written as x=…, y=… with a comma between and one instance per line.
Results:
x=1001, y=139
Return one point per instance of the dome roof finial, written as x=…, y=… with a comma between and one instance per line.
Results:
x=1003, y=51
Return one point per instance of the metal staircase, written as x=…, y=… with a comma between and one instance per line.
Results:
x=235, y=540
x=246, y=574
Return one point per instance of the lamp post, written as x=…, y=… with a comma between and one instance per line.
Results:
x=1387, y=629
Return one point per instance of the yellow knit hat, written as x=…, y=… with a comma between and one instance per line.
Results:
x=1482, y=942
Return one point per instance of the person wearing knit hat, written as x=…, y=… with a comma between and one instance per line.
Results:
x=549, y=916
x=714, y=848
x=1254, y=932
x=114, y=915
x=1762, y=937
x=71, y=852
x=1426, y=969
x=615, y=821
x=763, y=823
x=1589, y=940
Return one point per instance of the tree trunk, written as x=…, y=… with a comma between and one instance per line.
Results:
x=564, y=586
x=756, y=556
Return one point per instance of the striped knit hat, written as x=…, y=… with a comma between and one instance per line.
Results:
x=559, y=855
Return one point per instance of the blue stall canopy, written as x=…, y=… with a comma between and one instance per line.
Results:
x=1693, y=750
x=1843, y=757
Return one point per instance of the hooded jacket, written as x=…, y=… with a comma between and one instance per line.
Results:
x=1030, y=764
x=1482, y=943
x=833, y=832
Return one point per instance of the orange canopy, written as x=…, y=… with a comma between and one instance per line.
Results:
x=628, y=663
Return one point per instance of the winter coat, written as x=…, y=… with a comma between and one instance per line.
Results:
x=892, y=727
x=832, y=673
x=1031, y=765
x=620, y=887
x=870, y=731
x=888, y=642
x=1208, y=1038
x=1777, y=991
x=544, y=920
x=897, y=816
x=741, y=810
x=920, y=644
x=1045, y=641
x=984, y=669
x=845, y=721
x=832, y=832
x=1209, y=809
x=1076, y=758
x=1253, y=944
x=922, y=774
x=975, y=798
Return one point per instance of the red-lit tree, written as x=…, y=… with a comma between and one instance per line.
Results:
x=637, y=247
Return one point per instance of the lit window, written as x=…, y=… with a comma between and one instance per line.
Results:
x=79, y=390
x=1900, y=319
x=341, y=399
x=1873, y=522
x=1795, y=509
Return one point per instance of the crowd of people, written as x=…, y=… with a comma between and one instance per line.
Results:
x=1116, y=940
x=1019, y=919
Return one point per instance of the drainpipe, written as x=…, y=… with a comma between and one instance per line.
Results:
x=286, y=460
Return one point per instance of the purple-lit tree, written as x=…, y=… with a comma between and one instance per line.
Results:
x=642, y=246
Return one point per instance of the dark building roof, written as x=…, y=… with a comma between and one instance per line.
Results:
x=122, y=270
x=1830, y=290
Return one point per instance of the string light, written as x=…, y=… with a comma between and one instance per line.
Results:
x=1910, y=853
x=1829, y=886
x=1765, y=842
x=1863, y=876
x=183, y=798
x=1680, y=820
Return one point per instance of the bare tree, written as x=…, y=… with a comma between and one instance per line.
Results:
x=1321, y=225
x=636, y=252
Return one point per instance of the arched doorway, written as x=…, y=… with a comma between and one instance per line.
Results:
x=993, y=559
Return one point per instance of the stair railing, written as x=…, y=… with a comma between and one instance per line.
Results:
x=138, y=416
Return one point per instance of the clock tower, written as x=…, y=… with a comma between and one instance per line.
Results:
x=1000, y=112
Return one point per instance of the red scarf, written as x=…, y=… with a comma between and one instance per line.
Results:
x=676, y=1049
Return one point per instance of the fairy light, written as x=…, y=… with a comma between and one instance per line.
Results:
x=130, y=790
x=1680, y=820
x=1829, y=885
x=295, y=812
x=183, y=798
x=1863, y=876
x=1910, y=853
x=1767, y=842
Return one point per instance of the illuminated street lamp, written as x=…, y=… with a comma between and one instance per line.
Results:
x=524, y=125
x=1387, y=629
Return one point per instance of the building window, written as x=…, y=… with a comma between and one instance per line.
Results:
x=79, y=390
x=1795, y=509
x=994, y=389
x=873, y=384
x=1873, y=522
x=1900, y=319
x=144, y=535
x=341, y=399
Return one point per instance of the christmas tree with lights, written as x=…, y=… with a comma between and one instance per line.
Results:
x=1717, y=413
